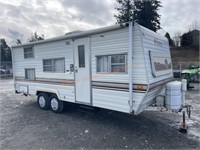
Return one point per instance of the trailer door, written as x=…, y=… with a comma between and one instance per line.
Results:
x=82, y=70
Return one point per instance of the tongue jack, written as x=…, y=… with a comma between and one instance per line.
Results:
x=183, y=126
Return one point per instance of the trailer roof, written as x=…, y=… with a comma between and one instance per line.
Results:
x=75, y=35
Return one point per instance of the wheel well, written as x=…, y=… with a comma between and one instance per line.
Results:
x=49, y=93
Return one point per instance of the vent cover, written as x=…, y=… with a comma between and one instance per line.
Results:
x=67, y=42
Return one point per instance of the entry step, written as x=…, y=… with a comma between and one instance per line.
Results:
x=87, y=109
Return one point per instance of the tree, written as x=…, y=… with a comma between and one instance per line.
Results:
x=171, y=42
x=5, y=51
x=186, y=39
x=126, y=11
x=177, y=37
x=32, y=38
x=195, y=25
x=143, y=12
x=35, y=37
x=146, y=14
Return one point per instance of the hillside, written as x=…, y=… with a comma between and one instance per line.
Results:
x=182, y=57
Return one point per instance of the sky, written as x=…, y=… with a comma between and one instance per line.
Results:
x=20, y=18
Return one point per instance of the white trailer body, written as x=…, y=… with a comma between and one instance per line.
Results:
x=121, y=67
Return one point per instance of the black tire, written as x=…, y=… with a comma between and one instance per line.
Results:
x=56, y=105
x=43, y=101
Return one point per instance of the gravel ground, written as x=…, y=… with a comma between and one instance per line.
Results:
x=24, y=126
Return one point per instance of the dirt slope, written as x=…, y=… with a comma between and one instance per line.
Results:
x=184, y=56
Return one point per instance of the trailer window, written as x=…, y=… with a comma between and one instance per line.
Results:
x=30, y=74
x=118, y=63
x=160, y=63
x=81, y=56
x=54, y=65
x=28, y=52
x=111, y=63
x=102, y=64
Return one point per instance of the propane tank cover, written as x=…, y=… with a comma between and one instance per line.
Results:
x=173, y=95
x=174, y=85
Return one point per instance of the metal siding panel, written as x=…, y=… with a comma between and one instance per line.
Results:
x=109, y=99
x=149, y=99
x=137, y=99
x=44, y=51
x=113, y=42
x=18, y=55
x=139, y=72
x=140, y=100
x=66, y=92
x=100, y=46
x=117, y=42
x=149, y=45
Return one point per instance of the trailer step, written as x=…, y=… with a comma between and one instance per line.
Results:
x=87, y=109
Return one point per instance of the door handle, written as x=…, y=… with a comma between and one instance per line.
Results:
x=76, y=70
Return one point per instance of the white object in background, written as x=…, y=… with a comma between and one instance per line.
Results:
x=184, y=85
x=173, y=95
x=184, y=89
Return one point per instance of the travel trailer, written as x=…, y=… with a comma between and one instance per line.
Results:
x=122, y=67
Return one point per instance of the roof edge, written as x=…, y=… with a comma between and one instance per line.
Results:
x=76, y=35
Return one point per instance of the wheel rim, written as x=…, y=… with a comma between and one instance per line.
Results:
x=54, y=104
x=42, y=101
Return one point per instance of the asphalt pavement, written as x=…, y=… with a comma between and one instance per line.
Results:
x=24, y=126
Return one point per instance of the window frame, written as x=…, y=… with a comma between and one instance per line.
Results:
x=26, y=73
x=53, y=66
x=25, y=53
x=154, y=56
x=110, y=64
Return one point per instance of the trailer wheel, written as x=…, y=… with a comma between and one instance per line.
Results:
x=56, y=105
x=43, y=101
